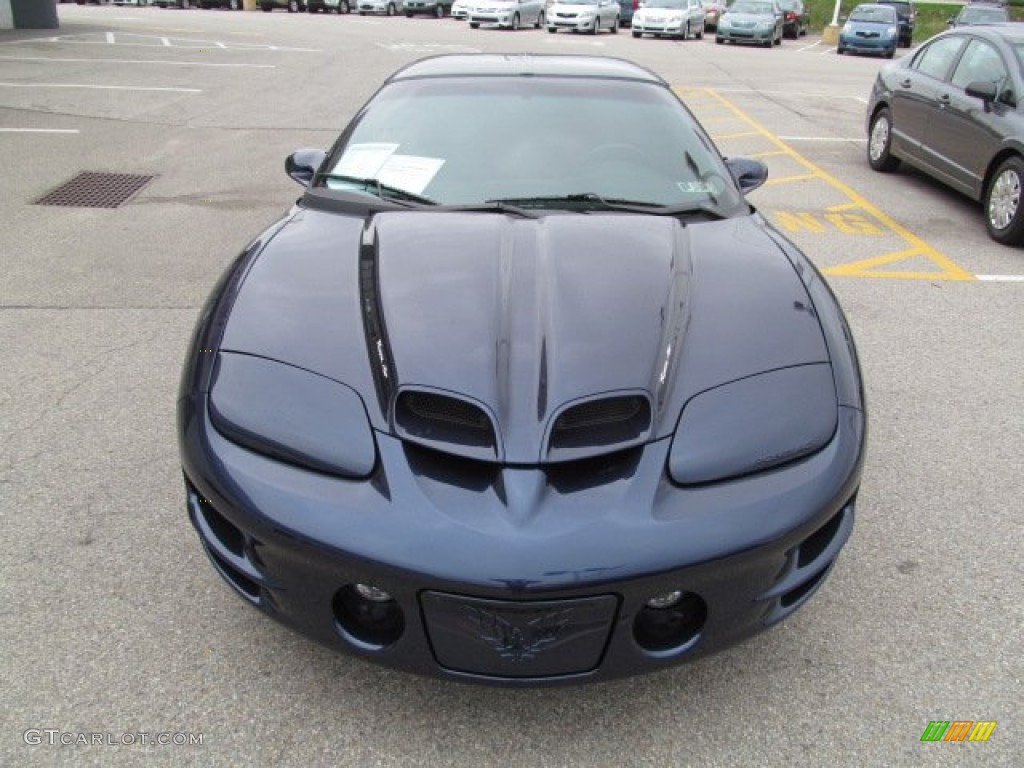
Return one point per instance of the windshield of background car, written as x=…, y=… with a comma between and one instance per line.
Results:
x=981, y=15
x=467, y=140
x=756, y=9
x=790, y=5
x=874, y=15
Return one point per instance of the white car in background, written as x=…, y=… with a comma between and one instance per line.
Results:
x=507, y=14
x=460, y=9
x=583, y=16
x=378, y=7
x=669, y=18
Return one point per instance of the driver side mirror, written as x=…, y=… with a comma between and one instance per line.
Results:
x=749, y=174
x=302, y=164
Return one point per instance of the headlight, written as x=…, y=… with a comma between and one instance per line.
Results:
x=585, y=16
x=291, y=414
x=890, y=33
x=754, y=424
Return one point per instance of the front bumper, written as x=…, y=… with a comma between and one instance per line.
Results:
x=490, y=590
x=755, y=35
x=874, y=45
x=577, y=24
x=659, y=29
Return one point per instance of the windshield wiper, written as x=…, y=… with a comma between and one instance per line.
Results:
x=495, y=206
x=589, y=201
x=383, y=191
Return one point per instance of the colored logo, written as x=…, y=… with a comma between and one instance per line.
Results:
x=958, y=730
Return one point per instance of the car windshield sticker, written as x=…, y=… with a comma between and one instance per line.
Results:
x=707, y=187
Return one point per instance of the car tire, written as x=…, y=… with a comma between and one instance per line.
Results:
x=615, y=26
x=686, y=32
x=719, y=40
x=235, y=5
x=266, y=8
x=540, y=20
x=597, y=26
x=840, y=50
x=880, y=143
x=890, y=53
x=551, y=30
x=637, y=34
x=474, y=25
x=392, y=9
x=700, y=32
x=1004, y=216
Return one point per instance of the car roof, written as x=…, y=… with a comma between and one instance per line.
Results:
x=1010, y=33
x=551, y=65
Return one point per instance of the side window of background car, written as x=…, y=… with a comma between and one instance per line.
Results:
x=935, y=59
x=981, y=62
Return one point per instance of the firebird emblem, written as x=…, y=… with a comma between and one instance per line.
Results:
x=517, y=642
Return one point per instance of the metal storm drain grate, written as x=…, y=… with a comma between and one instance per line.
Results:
x=91, y=189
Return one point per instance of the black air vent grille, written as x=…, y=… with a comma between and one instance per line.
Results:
x=437, y=418
x=608, y=421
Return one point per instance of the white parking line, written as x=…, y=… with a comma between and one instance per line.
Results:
x=140, y=61
x=1001, y=278
x=39, y=130
x=100, y=87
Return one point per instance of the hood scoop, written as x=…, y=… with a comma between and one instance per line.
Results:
x=608, y=423
x=448, y=423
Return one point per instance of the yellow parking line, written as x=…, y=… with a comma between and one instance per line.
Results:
x=865, y=267
x=727, y=136
x=791, y=179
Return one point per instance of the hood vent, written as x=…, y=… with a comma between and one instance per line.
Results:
x=609, y=422
x=449, y=423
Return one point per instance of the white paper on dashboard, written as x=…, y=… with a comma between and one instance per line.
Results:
x=409, y=172
x=364, y=161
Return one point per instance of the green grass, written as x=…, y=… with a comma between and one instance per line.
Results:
x=931, y=18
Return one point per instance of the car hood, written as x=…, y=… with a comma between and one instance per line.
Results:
x=734, y=16
x=525, y=317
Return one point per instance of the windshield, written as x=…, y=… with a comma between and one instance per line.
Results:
x=757, y=9
x=465, y=141
x=665, y=4
x=981, y=15
x=877, y=15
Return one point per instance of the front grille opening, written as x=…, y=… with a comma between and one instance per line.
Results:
x=818, y=542
x=592, y=472
x=798, y=593
x=442, y=418
x=450, y=470
x=226, y=532
x=606, y=421
x=235, y=577
x=93, y=189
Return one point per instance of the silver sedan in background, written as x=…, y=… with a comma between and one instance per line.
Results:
x=583, y=16
x=507, y=14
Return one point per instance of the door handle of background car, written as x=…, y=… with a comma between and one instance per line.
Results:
x=944, y=100
x=905, y=83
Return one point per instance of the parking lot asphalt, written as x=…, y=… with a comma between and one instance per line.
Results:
x=114, y=625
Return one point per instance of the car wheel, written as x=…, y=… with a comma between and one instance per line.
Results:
x=718, y=40
x=597, y=26
x=880, y=142
x=235, y=5
x=540, y=20
x=840, y=50
x=266, y=8
x=686, y=32
x=1003, y=215
x=615, y=26
x=551, y=30
x=392, y=10
x=344, y=7
x=636, y=33
x=890, y=53
x=474, y=25
x=700, y=32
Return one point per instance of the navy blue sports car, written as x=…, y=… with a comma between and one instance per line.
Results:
x=522, y=390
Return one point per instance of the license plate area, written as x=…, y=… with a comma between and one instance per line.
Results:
x=505, y=638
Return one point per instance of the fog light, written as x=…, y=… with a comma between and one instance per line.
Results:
x=673, y=628
x=666, y=600
x=373, y=594
x=368, y=617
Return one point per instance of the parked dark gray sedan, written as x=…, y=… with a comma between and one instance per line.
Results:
x=953, y=110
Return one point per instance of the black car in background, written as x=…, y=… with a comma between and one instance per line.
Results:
x=796, y=18
x=954, y=110
x=520, y=417
x=907, y=15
